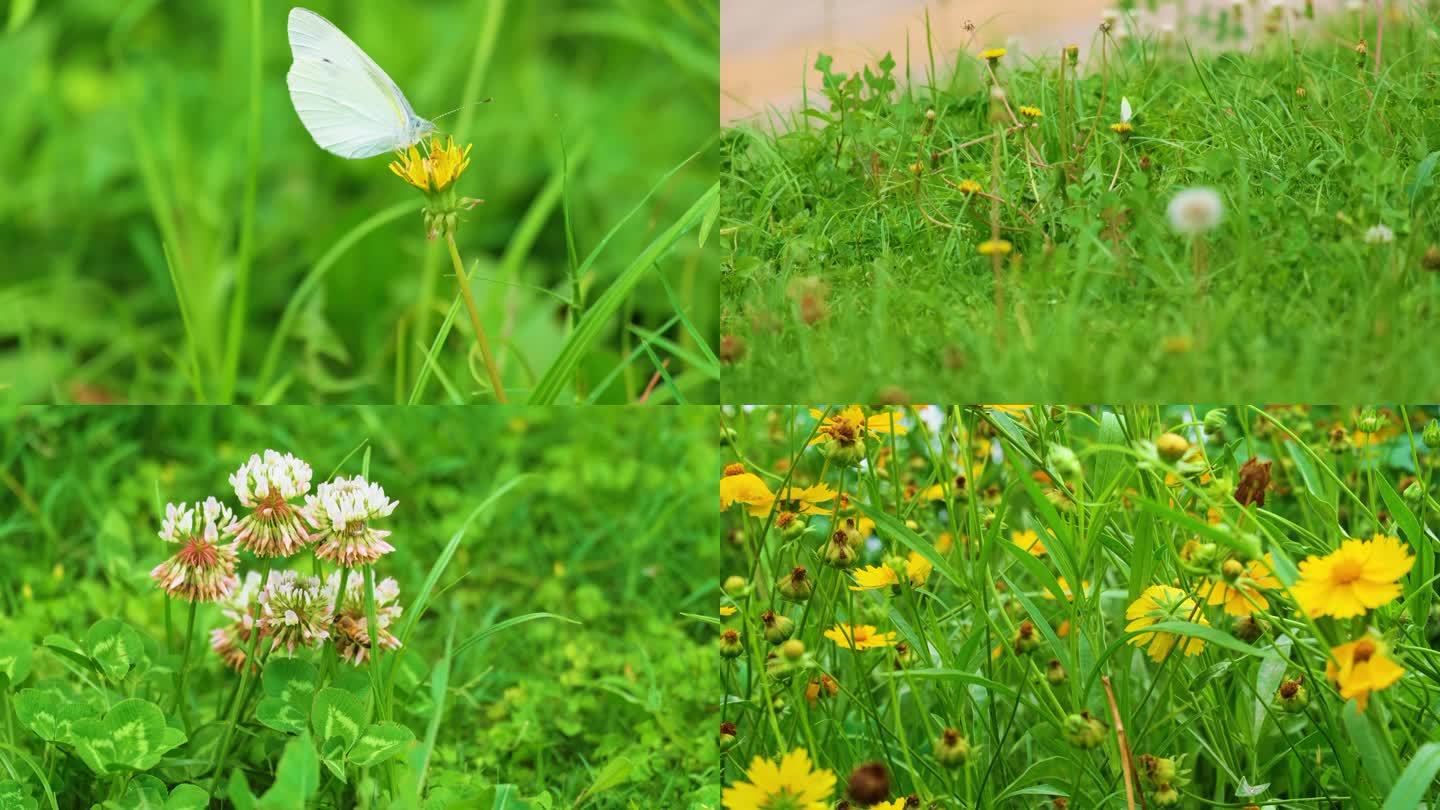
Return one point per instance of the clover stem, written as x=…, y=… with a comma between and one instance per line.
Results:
x=480, y=339
x=180, y=700
x=247, y=667
x=373, y=627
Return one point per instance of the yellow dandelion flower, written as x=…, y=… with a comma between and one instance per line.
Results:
x=793, y=783
x=727, y=611
x=410, y=167
x=1361, y=667
x=1243, y=596
x=992, y=55
x=447, y=162
x=1162, y=603
x=1359, y=576
x=994, y=247
x=969, y=187
x=1122, y=128
x=859, y=637
x=1031, y=112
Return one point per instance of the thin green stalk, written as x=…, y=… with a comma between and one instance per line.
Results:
x=235, y=337
x=481, y=341
x=249, y=666
x=180, y=699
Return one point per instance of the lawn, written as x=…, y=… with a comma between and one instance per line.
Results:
x=172, y=233
x=546, y=648
x=1051, y=606
x=910, y=235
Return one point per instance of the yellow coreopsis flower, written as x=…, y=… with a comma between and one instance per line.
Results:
x=1243, y=596
x=799, y=500
x=859, y=637
x=1162, y=603
x=1361, y=667
x=1065, y=589
x=994, y=247
x=1359, y=576
x=793, y=783
x=852, y=424
x=1030, y=541
x=874, y=577
x=738, y=486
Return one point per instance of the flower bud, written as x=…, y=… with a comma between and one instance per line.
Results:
x=1215, y=420
x=778, y=627
x=1414, y=493
x=1172, y=446
x=727, y=736
x=797, y=586
x=1158, y=770
x=790, y=525
x=1249, y=629
x=793, y=649
x=837, y=552
x=1431, y=435
x=1084, y=731
x=1072, y=53
x=952, y=749
x=730, y=644
x=846, y=453
x=1055, y=673
x=1064, y=461
x=1291, y=696
x=1166, y=796
x=1369, y=421
x=1026, y=639
x=869, y=784
x=736, y=586
x=1232, y=569
x=849, y=534
x=903, y=655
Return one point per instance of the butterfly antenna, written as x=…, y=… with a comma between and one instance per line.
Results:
x=458, y=109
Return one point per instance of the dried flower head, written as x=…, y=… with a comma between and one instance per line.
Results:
x=294, y=611
x=202, y=570
x=352, y=628
x=341, y=511
x=266, y=484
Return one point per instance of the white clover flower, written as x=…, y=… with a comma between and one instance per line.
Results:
x=294, y=611
x=202, y=570
x=1379, y=235
x=341, y=511
x=1195, y=211
x=232, y=641
x=184, y=521
x=266, y=485
x=274, y=475
x=352, y=627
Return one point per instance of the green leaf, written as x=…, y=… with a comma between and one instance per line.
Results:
x=114, y=646
x=337, y=713
x=615, y=773
x=15, y=657
x=132, y=735
x=48, y=714
x=297, y=777
x=598, y=317
x=1414, y=783
x=1200, y=631
x=188, y=797
x=289, y=685
x=1382, y=767
x=145, y=792
x=14, y=797
x=1424, y=177
x=505, y=625
x=238, y=790
x=380, y=742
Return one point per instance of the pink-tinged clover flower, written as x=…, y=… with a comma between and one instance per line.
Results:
x=231, y=641
x=267, y=485
x=202, y=570
x=295, y=611
x=341, y=512
x=352, y=628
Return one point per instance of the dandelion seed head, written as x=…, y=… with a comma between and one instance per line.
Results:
x=1195, y=210
x=1379, y=234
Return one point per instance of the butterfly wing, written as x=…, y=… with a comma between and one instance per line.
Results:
x=347, y=103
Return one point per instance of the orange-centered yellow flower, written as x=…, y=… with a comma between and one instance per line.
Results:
x=1030, y=541
x=1243, y=596
x=738, y=486
x=1162, y=603
x=1361, y=575
x=790, y=784
x=801, y=501
x=873, y=577
x=859, y=637
x=851, y=425
x=1361, y=667
x=437, y=170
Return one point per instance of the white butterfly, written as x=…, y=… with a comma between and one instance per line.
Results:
x=351, y=108
x=1125, y=111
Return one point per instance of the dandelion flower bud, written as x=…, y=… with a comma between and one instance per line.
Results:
x=1195, y=211
x=294, y=611
x=202, y=570
x=341, y=511
x=352, y=625
x=266, y=485
x=1072, y=53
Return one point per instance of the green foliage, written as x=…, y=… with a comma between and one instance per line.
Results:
x=173, y=233
x=544, y=558
x=852, y=270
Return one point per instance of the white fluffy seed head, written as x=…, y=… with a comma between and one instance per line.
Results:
x=184, y=521
x=280, y=474
x=1195, y=210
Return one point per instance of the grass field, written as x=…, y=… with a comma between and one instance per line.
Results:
x=553, y=654
x=172, y=233
x=1043, y=606
x=908, y=236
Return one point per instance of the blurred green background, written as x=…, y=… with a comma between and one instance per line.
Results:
x=125, y=140
x=613, y=528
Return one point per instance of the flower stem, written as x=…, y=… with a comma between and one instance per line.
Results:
x=480, y=339
x=247, y=667
x=373, y=626
x=180, y=700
